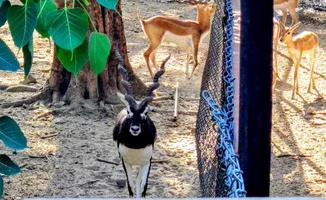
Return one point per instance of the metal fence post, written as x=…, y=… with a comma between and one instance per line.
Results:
x=255, y=95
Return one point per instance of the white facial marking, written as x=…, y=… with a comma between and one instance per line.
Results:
x=130, y=114
x=143, y=114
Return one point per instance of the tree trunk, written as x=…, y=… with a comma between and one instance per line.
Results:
x=87, y=85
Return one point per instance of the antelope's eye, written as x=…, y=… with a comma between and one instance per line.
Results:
x=288, y=33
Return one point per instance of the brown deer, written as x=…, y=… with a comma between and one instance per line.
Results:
x=184, y=33
x=277, y=31
x=287, y=5
x=304, y=44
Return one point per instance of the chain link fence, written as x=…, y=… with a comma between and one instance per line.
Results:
x=314, y=4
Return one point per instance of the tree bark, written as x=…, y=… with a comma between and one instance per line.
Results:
x=87, y=85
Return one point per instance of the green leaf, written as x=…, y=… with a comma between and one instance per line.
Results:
x=98, y=51
x=11, y=134
x=86, y=2
x=109, y=4
x=22, y=21
x=7, y=166
x=1, y=187
x=74, y=61
x=8, y=61
x=3, y=12
x=69, y=27
x=28, y=57
x=43, y=23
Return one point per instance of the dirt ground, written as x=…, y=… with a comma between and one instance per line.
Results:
x=65, y=145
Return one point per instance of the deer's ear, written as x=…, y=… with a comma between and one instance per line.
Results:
x=296, y=26
x=213, y=5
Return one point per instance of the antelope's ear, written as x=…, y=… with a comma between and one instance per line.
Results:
x=213, y=4
x=122, y=98
x=296, y=26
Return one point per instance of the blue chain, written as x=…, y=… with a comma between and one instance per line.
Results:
x=223, y=116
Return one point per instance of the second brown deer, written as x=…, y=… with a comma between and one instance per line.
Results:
x=188, y=33
x=304, y=44
x=287, y=5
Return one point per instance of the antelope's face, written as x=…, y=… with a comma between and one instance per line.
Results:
x=137, y=115
x=207, y=9
x=287, y=33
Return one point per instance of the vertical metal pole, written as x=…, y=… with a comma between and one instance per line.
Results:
x=255, y=95
x=236, y=69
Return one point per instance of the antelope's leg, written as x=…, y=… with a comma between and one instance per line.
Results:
x=294, y=15
x=312, y=82
x=296, y=63
x=144, y=178
x=273, y=80
x=152, y=58
x=188, y=61
x=275, y=57
x=155, y=39
x=297, y=68
x=128, y=170
x=147, y=54
x=284, y=16
x=195, y=40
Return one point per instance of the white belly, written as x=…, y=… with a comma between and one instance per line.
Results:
x=183, y=42
x=136, y=156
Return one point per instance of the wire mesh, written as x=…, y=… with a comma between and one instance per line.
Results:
x=219, y=170
x=212, y=80
x=315, y=4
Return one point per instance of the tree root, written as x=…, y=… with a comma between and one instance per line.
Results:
x=44, y=94
x=155, y=110
x=4, y=86
x=21, y=88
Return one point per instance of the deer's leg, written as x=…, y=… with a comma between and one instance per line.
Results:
x=195, y=40
x=312, y=83
x=284, y=16
x=294, y=15
x=128, y=170
x=147, y=53
x=188, y=61
x=294, y=81
x=296, y=62
x=275, y=55
x=297, y=77
x=152, y=58
x=273, y=80
x=155, y=40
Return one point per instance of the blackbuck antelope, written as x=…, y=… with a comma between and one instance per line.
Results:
x=187, y=34
x=304, y=44
x=135, y=133
x=287, y=5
